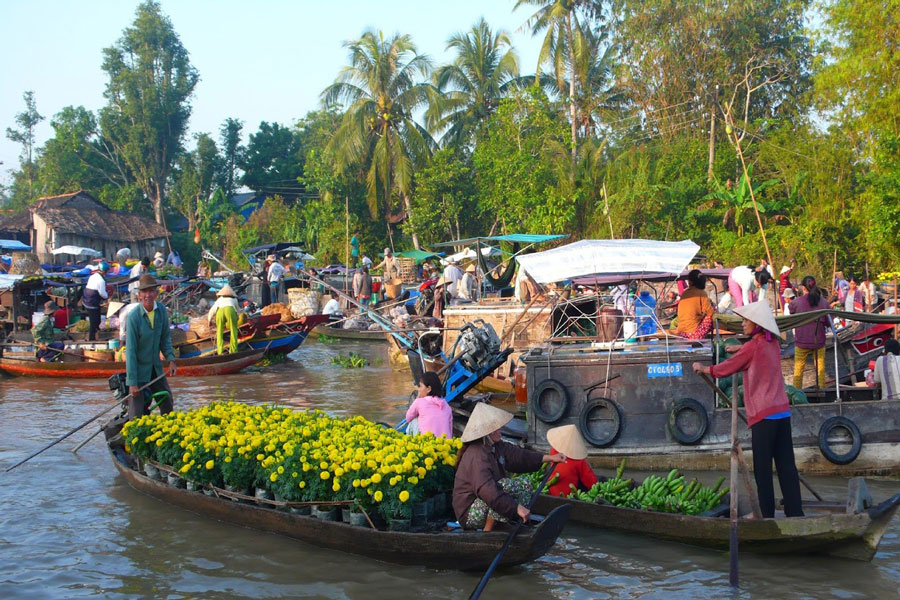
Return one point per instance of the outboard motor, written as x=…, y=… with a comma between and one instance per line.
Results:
x=477, y=347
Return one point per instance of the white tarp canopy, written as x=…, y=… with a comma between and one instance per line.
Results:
x=469, y=254
x=602, y=257
x=76, y=251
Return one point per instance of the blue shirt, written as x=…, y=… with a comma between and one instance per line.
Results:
x=781, y=415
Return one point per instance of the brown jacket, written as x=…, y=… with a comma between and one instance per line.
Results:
x=478, y=472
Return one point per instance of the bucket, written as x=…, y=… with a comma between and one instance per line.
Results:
x=114, y=344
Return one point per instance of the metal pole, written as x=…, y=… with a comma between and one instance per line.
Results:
x=733, y=526
x=837, y=375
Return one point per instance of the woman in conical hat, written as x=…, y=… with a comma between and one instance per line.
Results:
x=225, y=312
x=575, y=472
x=768, y=409
x=482, y=491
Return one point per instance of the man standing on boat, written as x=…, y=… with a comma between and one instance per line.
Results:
x=147, y=335
x=95, y=293
x=275, y=275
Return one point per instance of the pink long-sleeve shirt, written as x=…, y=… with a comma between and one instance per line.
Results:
x=764, y=393
x=434, y=415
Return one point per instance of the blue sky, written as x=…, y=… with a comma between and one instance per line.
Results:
x=258, y=61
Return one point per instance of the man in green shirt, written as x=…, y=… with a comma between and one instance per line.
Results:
x=146, y=336
x=44, y=345
x=354, y=250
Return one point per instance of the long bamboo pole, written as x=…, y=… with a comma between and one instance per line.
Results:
x=762, y=230
x=733, y=485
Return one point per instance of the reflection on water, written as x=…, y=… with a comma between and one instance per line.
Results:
x=71, y=528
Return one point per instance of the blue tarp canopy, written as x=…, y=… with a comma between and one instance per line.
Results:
x=14, y=245
x=520, y=238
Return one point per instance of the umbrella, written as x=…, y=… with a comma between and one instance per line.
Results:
x=76, y=251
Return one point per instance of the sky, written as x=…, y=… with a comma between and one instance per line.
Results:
x=265, y=60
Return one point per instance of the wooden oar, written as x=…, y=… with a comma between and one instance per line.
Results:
x=490, y=571
x=83, y=425
x=163, y=396
x=719, y=391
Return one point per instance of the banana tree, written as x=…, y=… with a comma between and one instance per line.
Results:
x=738, y=201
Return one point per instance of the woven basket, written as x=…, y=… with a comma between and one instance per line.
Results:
x=407, y=269
x=99, y=355
x=393, y=288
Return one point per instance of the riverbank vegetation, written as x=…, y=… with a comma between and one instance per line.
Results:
x=627, y=128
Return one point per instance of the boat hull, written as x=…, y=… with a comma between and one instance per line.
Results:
x=191, y=367
x=362, y=335
x=854, y=536
x=451, y=551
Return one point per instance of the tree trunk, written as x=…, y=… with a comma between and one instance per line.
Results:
x=712, y=143
x=408, y=205
x=572, y=91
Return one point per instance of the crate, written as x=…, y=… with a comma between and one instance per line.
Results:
x=105, y=355
x=408, y=269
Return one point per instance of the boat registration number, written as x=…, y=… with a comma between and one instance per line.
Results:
x=664, y=370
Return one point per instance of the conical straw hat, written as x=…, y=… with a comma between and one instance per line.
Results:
x=567, y=441
x=485, y=419
x=226, y=291
x=759, y=313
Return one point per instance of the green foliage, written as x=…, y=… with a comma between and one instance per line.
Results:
x=444, y=205
x=272, y=161
x=148, y=62
x=275, y=220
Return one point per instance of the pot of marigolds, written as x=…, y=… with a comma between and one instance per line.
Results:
x=397, y=509
x=202, y=473
x=239, y=473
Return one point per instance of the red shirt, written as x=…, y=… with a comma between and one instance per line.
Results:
x=764, y=393
x=574, y=472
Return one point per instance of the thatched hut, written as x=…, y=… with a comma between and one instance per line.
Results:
x=79, y=219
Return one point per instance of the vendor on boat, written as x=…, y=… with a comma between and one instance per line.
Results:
x=482, y=490
x=768, y=409
x=695, y=311
x=94, y=294
x=390, y=265
x=147, y=335
x=745, y=283
x=467, y=285
x=429, y=412
x=809, y=339
x=225, y=312
x=362, y=287
x=45, y=347
x=887, y=371
x=575, y=472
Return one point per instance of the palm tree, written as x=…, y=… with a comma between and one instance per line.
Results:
x=563, y=37
x=382, y=88
x=484, y=68
x=596, y=97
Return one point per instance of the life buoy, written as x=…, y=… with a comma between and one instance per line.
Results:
x=693, y=409
x=553, y=393
x=600, y=410
x=825, y=431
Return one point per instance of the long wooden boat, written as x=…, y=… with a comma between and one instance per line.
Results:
x=275, y=338
x=186, y=367
x=439, y=550
x=827, y=529
x=362, y=335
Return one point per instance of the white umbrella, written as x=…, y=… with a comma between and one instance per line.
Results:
x=76, y=251
x=469, y=254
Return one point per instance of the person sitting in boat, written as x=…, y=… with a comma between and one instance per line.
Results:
x=429, y=412
x=745, y=284
x=45, y=347
x=695, y=311
x=887, y=371
x=225, y=312
x=768, y=409
x=809, y=339
x=575, y=472
x=332, y=308
x=482, y=490
x=146, y=337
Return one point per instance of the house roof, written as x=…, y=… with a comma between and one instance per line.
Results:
x=82, y=214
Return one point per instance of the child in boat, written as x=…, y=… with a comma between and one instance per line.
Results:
x=575, y=472
x=430, y=413
x=768, y=409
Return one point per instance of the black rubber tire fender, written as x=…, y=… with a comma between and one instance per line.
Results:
x=855, y=444
x=585, y=416
x=689, y=404
x=549, y=385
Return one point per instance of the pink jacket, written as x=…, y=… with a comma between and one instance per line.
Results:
x=764, y=393
x=434, y=415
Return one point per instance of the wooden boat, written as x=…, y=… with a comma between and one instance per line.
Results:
x=186, y=367
x=438, y=550
x=827, y=529
x=272, y=336
x=363, y=335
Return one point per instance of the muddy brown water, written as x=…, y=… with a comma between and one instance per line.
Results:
x=71, y=528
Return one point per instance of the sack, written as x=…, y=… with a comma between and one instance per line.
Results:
x=304, y=302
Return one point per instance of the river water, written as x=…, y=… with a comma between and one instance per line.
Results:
x=71, y=528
